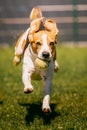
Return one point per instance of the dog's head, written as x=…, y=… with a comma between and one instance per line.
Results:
x=43, y=41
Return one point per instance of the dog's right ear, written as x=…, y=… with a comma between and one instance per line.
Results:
x=34, y=27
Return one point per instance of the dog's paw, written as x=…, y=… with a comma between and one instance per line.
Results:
x=46, y=109
x=46, y=105
x=28, y=90
x=56, y=66
x=16, y=60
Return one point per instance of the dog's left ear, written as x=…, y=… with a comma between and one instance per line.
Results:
x=51, y=26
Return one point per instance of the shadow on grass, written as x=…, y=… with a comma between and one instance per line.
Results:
x=1, y=102
x=34, y=110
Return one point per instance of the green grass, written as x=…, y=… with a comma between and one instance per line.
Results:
x=68, y=99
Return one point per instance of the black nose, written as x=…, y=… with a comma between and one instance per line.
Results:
x=45, y=54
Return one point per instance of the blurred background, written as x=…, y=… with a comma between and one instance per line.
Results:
x=70, y=15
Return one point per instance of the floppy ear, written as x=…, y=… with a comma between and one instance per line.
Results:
x=50, y=25
x=34, y=27
x=35, y=13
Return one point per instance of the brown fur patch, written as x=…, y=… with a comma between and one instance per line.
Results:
x=37, y=42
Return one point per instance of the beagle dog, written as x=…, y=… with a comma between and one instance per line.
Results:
x=38, y=41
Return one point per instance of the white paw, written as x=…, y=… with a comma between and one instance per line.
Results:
x=16, y=60
x=46, y=107
x=56, y=66
x=28, y=90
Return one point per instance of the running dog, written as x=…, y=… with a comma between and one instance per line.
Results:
x=38, y=41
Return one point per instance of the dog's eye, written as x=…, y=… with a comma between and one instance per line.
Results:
x=51, y=43
x=38, y=43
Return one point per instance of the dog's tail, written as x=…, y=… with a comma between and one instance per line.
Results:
x=35, y=13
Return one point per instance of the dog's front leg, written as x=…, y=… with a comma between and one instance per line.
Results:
x=46, y=99
x=47, y=90
x=28, y=88
x=28, y=68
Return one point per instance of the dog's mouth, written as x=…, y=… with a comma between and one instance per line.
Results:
x=45, y=59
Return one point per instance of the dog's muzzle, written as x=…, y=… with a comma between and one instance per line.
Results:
x=46, y=56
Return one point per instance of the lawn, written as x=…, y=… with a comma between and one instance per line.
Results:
x=68, y=99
